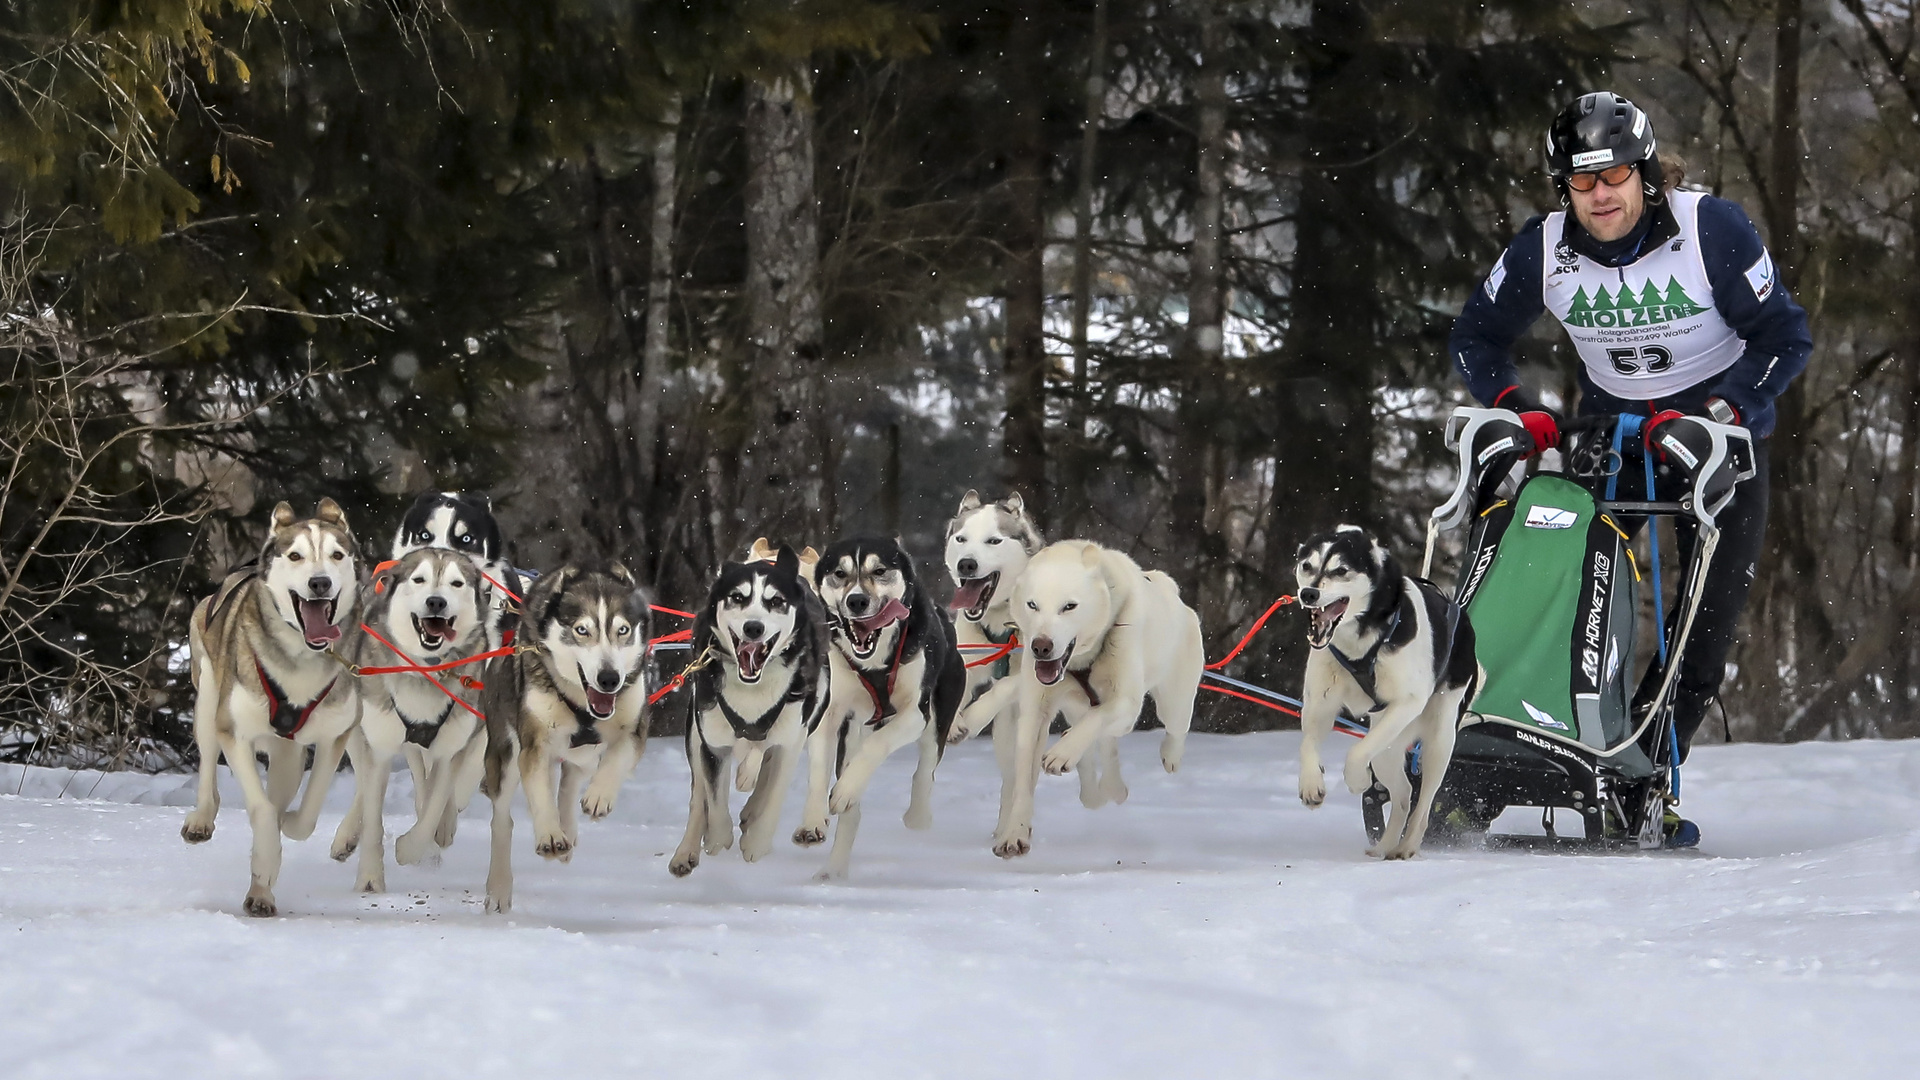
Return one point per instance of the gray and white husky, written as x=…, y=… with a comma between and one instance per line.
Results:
x=1390, y=648
x=264, y=676
x=759, y=689
x=988, y=545
x=434, y=607
x=573, y=692
x=896, y=680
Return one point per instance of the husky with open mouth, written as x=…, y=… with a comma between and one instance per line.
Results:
x=897, y=678
x=463, y=521
x=1102, y=635
x=988, y=545
x=1391, y=649
x=430, y=608
x=759, y=687
x=265, y=677
x=573, y=692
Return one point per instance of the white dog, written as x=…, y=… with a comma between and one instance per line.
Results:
x=1404, y=660
x=1101, y=636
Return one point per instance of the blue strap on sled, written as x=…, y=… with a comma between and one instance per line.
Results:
x=1629, y=426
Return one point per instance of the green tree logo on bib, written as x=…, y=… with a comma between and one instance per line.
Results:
x=1650, y=308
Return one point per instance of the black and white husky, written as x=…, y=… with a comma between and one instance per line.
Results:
x=464, y=522
x=988, y=545
x=760, y=685
x=897, y=679
x=1391, y=649
x=574, y=693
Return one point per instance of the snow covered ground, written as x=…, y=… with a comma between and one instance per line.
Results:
x=1211, y=927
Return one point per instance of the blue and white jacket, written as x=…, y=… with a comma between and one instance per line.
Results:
x=1645, y=341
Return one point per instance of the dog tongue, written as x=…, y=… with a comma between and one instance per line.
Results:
x=750, y=656
x=440, y=628
x=891, y=613
x=314, y=624
x=966, y=595
x=599, y=702
x=1049, y=671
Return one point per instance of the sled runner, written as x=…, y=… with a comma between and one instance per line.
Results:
x=1557, y=597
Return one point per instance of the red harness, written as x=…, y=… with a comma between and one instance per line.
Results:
x=883, y=702
x=288, y=719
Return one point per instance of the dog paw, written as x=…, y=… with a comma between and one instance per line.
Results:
x=194, y=832
x=1057, y=763
x=684, y=862
x=1399, y=851
x=553, y=846
x=1359, y=776
x=958, y=733
x=755, y=845
x=411, y=849
x=259, y=904
x=842, y=799
x=829, y=875
x=810, y=835
x=372, y=883
x=1171, y=752
x=443, y=836
x=1313, y=792
x=596, y=804
x=1012, y=847
x=918, y=818
x=343, y=848
x=499, y=905
x=292, y=827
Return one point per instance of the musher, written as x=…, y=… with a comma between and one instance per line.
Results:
x=1674, y=306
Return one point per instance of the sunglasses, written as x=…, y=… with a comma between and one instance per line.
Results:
x=1613, y=177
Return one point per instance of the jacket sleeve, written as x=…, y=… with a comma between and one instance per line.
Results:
x=1748, y=294
x=1499, y=311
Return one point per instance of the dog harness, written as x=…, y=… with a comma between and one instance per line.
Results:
x=755, y=730
x=882, y=693
x=1362, y=669
x=422, y=732
x=288, y=718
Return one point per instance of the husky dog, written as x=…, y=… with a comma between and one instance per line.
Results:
x=759, y=686
x=263, y=673
x=431, y=608
x=575, y=690
x=1404, y=660
x=988, y=545
x=1101, y=636
x=463, y=522
x=896, y=679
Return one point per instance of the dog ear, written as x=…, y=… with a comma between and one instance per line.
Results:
x=760, y=551
x=1013, y=502
x=620, y=573
x=556, y=585
x=786, y=561
x=283, y=516
x=329, y=512
x=1090, y=556
x=970, y=501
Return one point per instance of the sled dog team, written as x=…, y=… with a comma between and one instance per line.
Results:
x=487, y=680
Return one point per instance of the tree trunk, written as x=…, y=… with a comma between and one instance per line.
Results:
x=606, y=393
x=1201, y=369
x=653, y=361
x=1083, y=211
x=780, y=482
x=1023, y=433
x=1323, y=396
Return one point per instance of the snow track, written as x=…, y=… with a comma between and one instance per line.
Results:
x=1209, y=928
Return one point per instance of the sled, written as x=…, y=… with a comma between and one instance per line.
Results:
x=1557, y=598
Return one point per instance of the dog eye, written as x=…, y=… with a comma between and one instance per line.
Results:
x=294, y=556
x=583, y=629
x=623, y=631
x=1069, y=605
x=992, y=540
x=456, y=584
x=1033, y=606
x=419, y=581
x=338, y=555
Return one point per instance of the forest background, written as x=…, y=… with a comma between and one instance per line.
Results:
x=665, y=276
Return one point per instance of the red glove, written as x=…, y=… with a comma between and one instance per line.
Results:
x=1544, y=427
x=1654, y=421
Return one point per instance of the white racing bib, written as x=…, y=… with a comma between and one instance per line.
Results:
x=1648, y=330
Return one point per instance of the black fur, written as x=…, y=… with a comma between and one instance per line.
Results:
x=929, y=631
x=1390, y=610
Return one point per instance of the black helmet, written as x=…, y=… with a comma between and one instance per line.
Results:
x=1598, y=132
